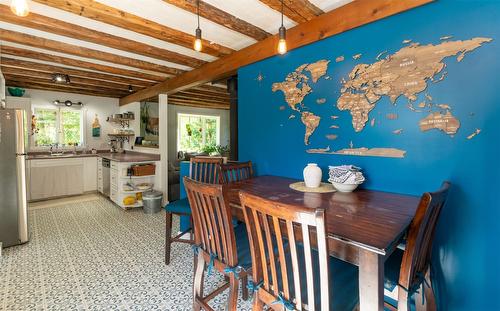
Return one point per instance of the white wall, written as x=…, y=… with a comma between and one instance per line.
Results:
x=173, y=110
x=102, y=106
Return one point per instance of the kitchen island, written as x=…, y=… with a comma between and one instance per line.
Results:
x=53, y=176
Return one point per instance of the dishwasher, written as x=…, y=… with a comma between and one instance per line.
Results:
x=106, y=163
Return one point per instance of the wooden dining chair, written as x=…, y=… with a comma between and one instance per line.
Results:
x=235, y=171
x=408, y=272
x=203, y=169
x=291, y=266
x=218, y=244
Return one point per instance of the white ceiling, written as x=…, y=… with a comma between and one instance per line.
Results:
x=251, y=11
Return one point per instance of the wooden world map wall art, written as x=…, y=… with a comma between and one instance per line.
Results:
x=406, y=73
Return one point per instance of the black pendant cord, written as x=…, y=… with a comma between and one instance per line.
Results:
x=198, y=12
x=282, y=9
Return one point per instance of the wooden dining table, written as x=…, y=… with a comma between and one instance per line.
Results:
x=364, y=227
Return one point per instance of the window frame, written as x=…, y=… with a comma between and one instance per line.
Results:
x=203, y=117
x=59, y=127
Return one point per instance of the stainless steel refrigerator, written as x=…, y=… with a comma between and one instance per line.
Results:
x=13, y=202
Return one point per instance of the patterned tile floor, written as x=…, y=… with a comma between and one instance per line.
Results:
x=91, y=255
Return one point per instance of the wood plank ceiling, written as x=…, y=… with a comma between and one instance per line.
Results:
x=108, y=46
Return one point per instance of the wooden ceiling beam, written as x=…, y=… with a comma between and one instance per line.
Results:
x=198, y=104
x=199, y=99
x=109, y=15
x=9, y=50
x=212, y=89
x=61, y=47
x=44, y=76
x=47, y=24
x=299, y=11
x=221, y=17
x=39, y=67
x=193, y=94
x=58, y=89
x=349, y=16
x=38, y=81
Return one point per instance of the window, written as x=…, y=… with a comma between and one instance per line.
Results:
x=61, y=126
x=196, y=132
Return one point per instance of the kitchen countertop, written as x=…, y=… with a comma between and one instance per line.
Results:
x=46, y=156
x=129, y=156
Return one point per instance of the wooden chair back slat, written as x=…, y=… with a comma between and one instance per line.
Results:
x=308, y=266
x=235, y=171
x=214, y=231
x=417, y=255
x=274, y=230
x=205, y=169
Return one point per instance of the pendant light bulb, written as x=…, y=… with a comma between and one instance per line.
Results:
x=197, y=42
x=282, y=41
x=282, y=34
x=20, y=7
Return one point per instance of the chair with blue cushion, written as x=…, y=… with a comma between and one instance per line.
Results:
x=235, y=172
x=408, y=283
x=218, y=244
x=203, y=169
x=291, y=266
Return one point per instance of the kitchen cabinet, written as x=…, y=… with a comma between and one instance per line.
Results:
x=50, y=178
x=120, y=183
x=90, y=174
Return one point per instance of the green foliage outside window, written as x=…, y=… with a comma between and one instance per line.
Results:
x=47, y=127
x=58, y=126
x=195, y=132
x=71, y=127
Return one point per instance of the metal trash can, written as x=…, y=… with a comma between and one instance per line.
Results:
x=152, y=201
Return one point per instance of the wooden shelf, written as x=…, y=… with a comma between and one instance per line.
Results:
x=121, y=135
x=123, y=122
x=136, y=177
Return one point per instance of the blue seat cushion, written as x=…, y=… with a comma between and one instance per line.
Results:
x=179, y=207
x=343, y=278
x=243, y=246
x=392, y=268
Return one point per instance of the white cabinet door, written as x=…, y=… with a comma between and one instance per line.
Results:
x=89, y=174
x=55, y=177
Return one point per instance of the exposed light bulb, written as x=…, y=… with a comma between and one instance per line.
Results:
x=197, y=42
x=20, y=7
x=282, y=46
x=282, y=41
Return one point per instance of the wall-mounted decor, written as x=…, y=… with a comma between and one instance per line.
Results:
x=406, y=74
x=150, y=124
x=96, y=127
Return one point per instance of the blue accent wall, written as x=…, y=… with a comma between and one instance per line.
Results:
x=465, y=259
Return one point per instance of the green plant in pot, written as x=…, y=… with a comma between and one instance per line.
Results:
x=216, y=150
x=16, y=91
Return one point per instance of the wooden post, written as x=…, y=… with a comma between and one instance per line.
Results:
x=232, y=88
x=163, y=143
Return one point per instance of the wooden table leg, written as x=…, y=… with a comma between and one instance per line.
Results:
x=371, y=281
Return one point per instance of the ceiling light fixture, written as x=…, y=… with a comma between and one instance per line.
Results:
x=197, y=42
x=67, y=103
x=20, y=7
x=130, y=89
x=60, y=78
x=282, y=34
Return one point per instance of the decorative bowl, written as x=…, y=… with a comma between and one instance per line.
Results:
x=16, y=91
x=344, y=187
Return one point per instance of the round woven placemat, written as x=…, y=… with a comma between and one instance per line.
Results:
x=323, y=188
